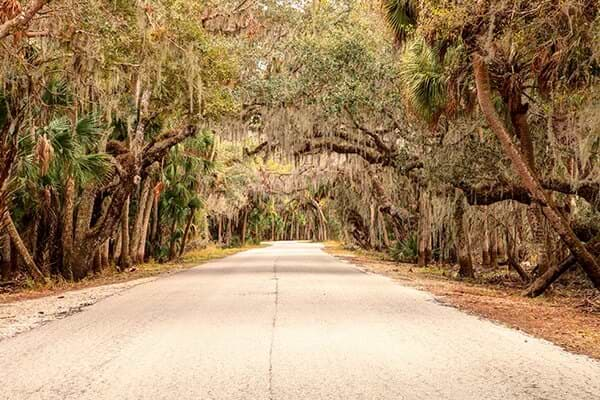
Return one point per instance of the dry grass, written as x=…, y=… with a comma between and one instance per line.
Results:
x=563, y=317
x=111, y=275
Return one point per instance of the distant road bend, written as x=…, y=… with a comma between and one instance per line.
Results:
x=284, y=322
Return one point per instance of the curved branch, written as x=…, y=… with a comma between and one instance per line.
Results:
x=367, y=154
x=22, y=20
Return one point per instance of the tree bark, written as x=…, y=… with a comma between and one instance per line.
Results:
x=5, y=257
x=530, y=181
x=486, y=258
x=244, y=226
x=220, y=230
x=125, y=259
x=21, y=249
x=154, y=231
x=141, y=251
x=186, y=232
x=21, y=21
x=67, y=232
x=424, y=249
x=465, y=262
x=173, y=240
x=117, y=245
x=512, y=259
x=136, y=229
x=104, y=255
x=542, y=283
x=536, y=223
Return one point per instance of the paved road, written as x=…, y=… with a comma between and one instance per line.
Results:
x=284, y=322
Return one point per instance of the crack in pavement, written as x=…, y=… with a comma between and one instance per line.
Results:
x=273, y=326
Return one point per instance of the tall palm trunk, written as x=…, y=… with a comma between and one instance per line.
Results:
x=125, y=259
x=21, y=249
x=186, y=232
x=528, y=177
x=536, y=222
x=67, y=232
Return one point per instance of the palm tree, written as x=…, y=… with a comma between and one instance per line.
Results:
x=401, y=16
x=57, y=161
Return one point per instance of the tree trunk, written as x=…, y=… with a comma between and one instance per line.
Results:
x=220, y=230
x=21, y=249
x=244, y=226
x=542, y=283
x=84, y=247
x=136, y=229
x=462, y=248
x=104, y=255
x=5, y=257
x=530, y=181
x=186, y=232
x=383, y=226
x=486, y=257
x=117, y=245
x=125, y=259
x=536, y=222
x=424, y=250
x=512, y=259
x=373, y=227
x=97, y=265
x=173, y=239
x=67, y=232
x=141, y=250
x=228, y=232
x=272, y=228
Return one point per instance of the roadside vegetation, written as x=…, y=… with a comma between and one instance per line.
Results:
x=461, y=137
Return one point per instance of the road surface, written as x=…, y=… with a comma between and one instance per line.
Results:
x=284, y=322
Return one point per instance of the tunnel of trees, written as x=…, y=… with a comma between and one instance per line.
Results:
x=460, y=133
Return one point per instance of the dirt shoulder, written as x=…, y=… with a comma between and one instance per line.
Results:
x=112, y=276
x=566, y=319
x=23, y=309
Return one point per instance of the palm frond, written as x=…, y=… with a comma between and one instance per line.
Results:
x=92, y=168
x=56, y=93
x=88, y=131
x=401, y=16
x=61, y=139
x=423, y=77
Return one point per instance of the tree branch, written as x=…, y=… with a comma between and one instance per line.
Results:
x=20, y=21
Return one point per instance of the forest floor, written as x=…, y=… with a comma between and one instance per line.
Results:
x=25, y=307
x=567, y=317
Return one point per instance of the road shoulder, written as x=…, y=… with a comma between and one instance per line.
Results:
x=564, y=320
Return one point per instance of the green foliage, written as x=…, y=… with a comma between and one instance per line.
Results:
x=401, y=16
x=422, y=76
x=405, y=250
x=57, y=93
